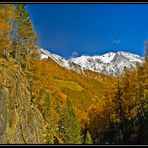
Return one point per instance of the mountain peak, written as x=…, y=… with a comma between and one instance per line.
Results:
x=109, y=63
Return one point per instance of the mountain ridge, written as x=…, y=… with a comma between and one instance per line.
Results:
x=111, y=63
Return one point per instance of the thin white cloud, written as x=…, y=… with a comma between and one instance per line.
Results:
x=75, y=54
x=115, y=41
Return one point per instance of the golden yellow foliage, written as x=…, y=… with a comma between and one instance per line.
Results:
x=7, y=15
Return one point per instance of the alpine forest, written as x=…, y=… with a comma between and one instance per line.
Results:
x=42, y=102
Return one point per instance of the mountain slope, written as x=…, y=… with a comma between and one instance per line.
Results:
x=61, y=61
x=80, y=88
x=110, y=63
x=58, y=59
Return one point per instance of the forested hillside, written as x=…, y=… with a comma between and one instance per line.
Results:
x=44, y=103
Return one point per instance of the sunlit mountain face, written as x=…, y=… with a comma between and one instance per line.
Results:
x=111, y=63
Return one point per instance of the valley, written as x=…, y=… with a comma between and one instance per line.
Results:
x=48, y=99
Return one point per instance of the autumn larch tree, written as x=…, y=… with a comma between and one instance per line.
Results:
x=7, y=16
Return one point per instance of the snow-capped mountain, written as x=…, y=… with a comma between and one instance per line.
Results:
x=58, y=59
x=110, y=63
x=61, y=61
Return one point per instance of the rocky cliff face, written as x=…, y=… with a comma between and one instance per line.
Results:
x=20, y=121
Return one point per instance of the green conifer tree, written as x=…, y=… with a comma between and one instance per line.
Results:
x=72, y=130
x=25, y=40
x=88, y=138
x=51, y=118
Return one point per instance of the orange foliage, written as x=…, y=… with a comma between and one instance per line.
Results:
x=83, y=117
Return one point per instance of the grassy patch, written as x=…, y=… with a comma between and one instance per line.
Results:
x=69, y=84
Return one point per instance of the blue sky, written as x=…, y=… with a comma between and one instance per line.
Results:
x=90, y=29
